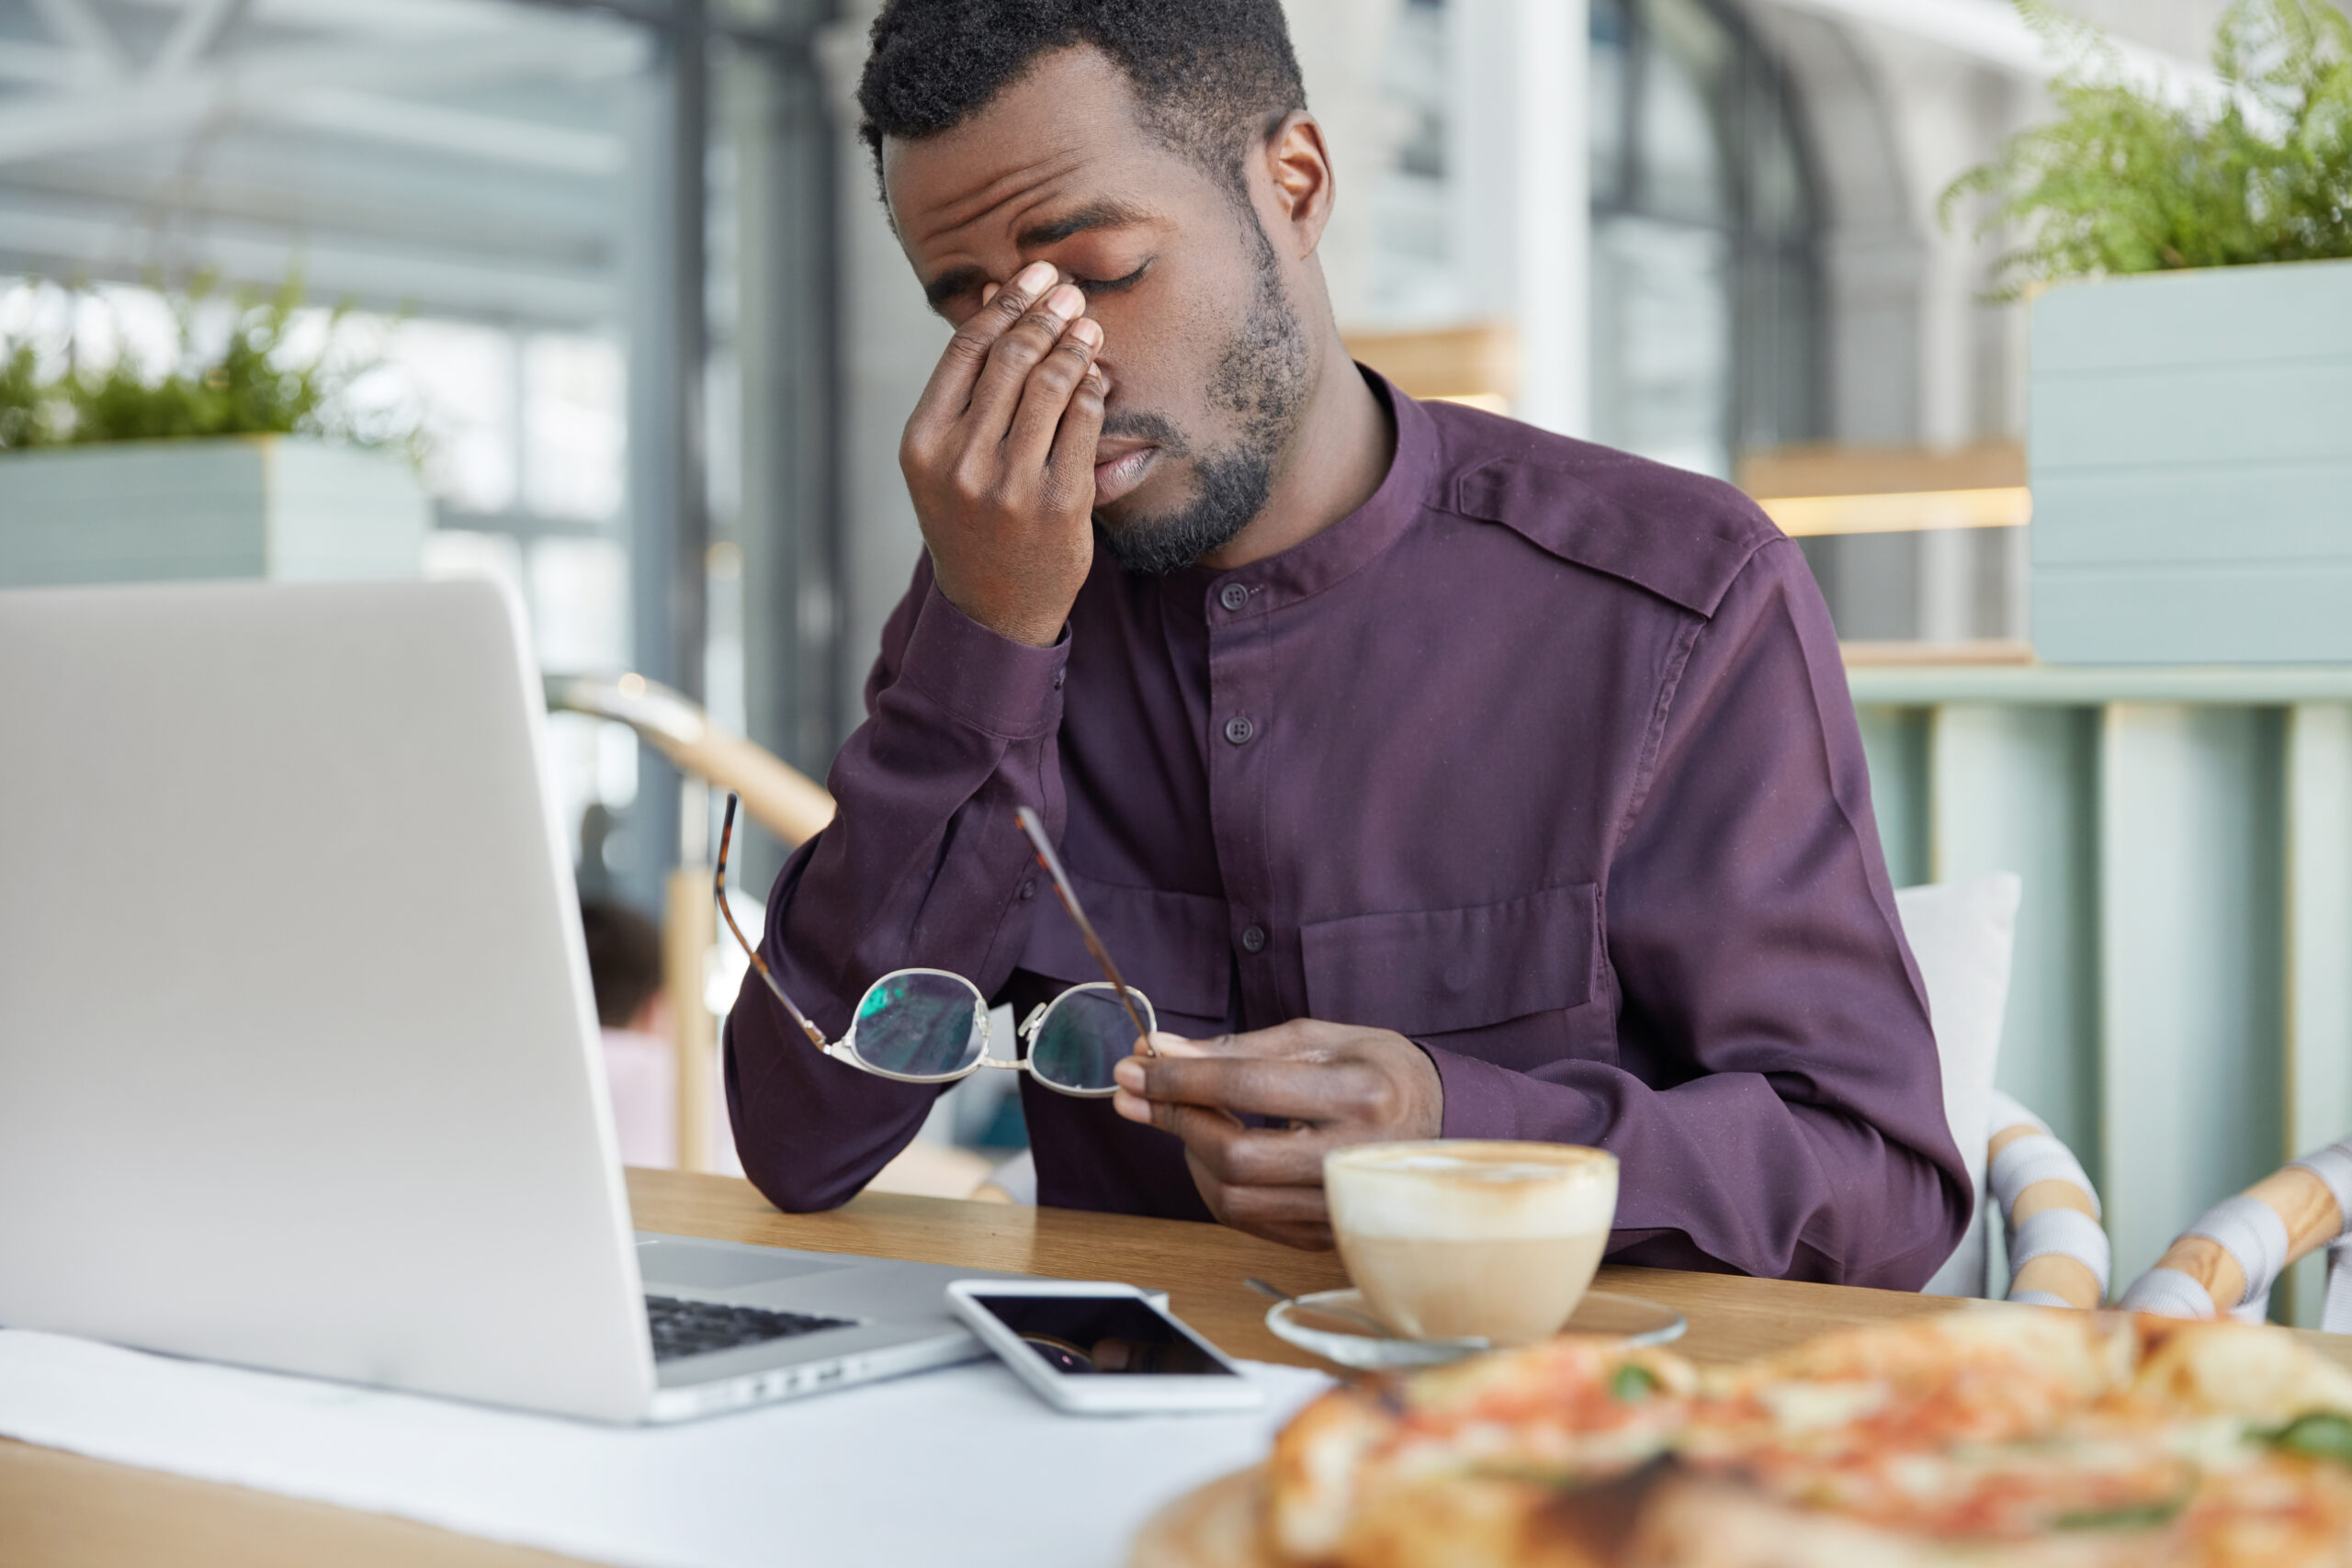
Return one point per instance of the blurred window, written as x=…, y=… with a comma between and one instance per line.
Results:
x=1706, y=335
x=459, y=175
x=1705, y=272
x=1416, y=277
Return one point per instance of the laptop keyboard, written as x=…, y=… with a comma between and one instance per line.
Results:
x=697, y=1328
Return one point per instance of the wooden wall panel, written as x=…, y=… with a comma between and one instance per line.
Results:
x=1895, y=740
x=2317, y=968
x=2190, y=1061
x=2189, y=457
x=2016, y=789
x=2181, y=1002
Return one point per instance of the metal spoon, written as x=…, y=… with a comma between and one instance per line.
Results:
x=1364, y=1320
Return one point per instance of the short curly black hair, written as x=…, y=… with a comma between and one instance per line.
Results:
x=1214, y=77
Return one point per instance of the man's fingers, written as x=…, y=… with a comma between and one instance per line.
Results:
x=1261, y=1156
x=1017, y=351
x=1166, y=1117
x=1302, y=1091
x=1242, y=1156
x=1302, y=1039
x=951, y=380
x=1052, y=400
x=1166, y=1044
x=1295, y=1216
x=1069, y=471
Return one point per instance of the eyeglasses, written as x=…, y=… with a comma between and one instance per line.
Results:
x=929, y=1026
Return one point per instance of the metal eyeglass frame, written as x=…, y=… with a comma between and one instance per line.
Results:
x=845, y=1049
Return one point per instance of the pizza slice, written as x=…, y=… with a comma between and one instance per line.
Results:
x=1475, y=1445
x=2027, y=1438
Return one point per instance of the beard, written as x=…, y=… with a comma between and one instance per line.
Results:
x=1260, y=379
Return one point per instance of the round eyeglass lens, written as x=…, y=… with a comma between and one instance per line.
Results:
x=1084, y=1036
x=924, y=1026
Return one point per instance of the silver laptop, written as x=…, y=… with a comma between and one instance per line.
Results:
x=299, y=1065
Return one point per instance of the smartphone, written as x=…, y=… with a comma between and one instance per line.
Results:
x=1100, y=1349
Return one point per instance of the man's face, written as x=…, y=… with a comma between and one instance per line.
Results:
x=1207, y=365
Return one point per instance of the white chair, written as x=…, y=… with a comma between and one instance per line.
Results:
x=2228, y=1262
x=1962, y=935
x=2058, y=1254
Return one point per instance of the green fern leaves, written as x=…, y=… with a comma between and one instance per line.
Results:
x=2130, y=179
x=257, y=383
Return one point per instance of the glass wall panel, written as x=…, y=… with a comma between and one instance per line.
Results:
x=445, y=173
x=1705, y=326
x=1705, y=318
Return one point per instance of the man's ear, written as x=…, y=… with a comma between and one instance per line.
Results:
x=1298, y=170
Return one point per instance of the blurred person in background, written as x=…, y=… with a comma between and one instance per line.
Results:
x=641, y=1062
x=1432, y=774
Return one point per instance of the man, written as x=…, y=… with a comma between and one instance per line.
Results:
x=1432, y=775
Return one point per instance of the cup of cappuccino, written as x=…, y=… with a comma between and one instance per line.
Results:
x=1460, y=1239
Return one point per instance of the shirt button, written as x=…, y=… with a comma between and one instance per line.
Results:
x=1238, y=729
x=1233, y=596
x=1253, y=938
x=1029, y=888
x=1058, y=679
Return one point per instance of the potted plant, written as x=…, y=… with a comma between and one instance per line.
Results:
x=2190, y=434
x=247, y=459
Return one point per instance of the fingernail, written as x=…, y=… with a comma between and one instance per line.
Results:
x=988, y=291
x=1065, y=301
x=1035, y=278
x=1087, y=331
x=1129, y=1106
x=1129, y=1074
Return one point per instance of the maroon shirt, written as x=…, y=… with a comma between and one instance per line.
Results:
x=1542, y=758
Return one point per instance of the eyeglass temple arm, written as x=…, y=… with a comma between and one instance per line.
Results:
x=726, y=839
x=1043, y=846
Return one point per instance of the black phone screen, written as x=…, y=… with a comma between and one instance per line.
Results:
x=1101, y=1335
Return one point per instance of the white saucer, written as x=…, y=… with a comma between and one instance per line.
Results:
x=1638, y=1322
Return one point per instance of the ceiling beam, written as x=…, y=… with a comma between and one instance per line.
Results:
x=193, y=37
x=434, y=128
x=452, y=20
x=500, y=216
x=63, y=123
x=46, y=64
x=79, y=28
x=432, y=281
x=1992, y=33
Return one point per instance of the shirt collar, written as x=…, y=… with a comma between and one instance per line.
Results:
x=1313, y=565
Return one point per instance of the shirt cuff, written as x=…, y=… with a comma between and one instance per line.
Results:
x=1481, y=1099
x=991, y=682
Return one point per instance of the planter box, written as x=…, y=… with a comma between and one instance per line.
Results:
x=278, y=507
x=2191, y=457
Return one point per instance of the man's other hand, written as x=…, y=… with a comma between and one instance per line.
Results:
x=1335, y=1084
x=998, y=457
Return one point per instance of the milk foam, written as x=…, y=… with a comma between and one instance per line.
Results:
x=1435, y=1194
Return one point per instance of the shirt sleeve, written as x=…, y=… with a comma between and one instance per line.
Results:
x=919, y=868
x=1796, y=1129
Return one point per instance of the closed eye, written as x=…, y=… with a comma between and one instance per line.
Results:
x=1114, y=286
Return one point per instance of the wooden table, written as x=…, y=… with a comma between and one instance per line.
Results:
x=58, y=1510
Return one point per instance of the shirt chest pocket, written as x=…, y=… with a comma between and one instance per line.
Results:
x=1171, y=946
x=1442, y=970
